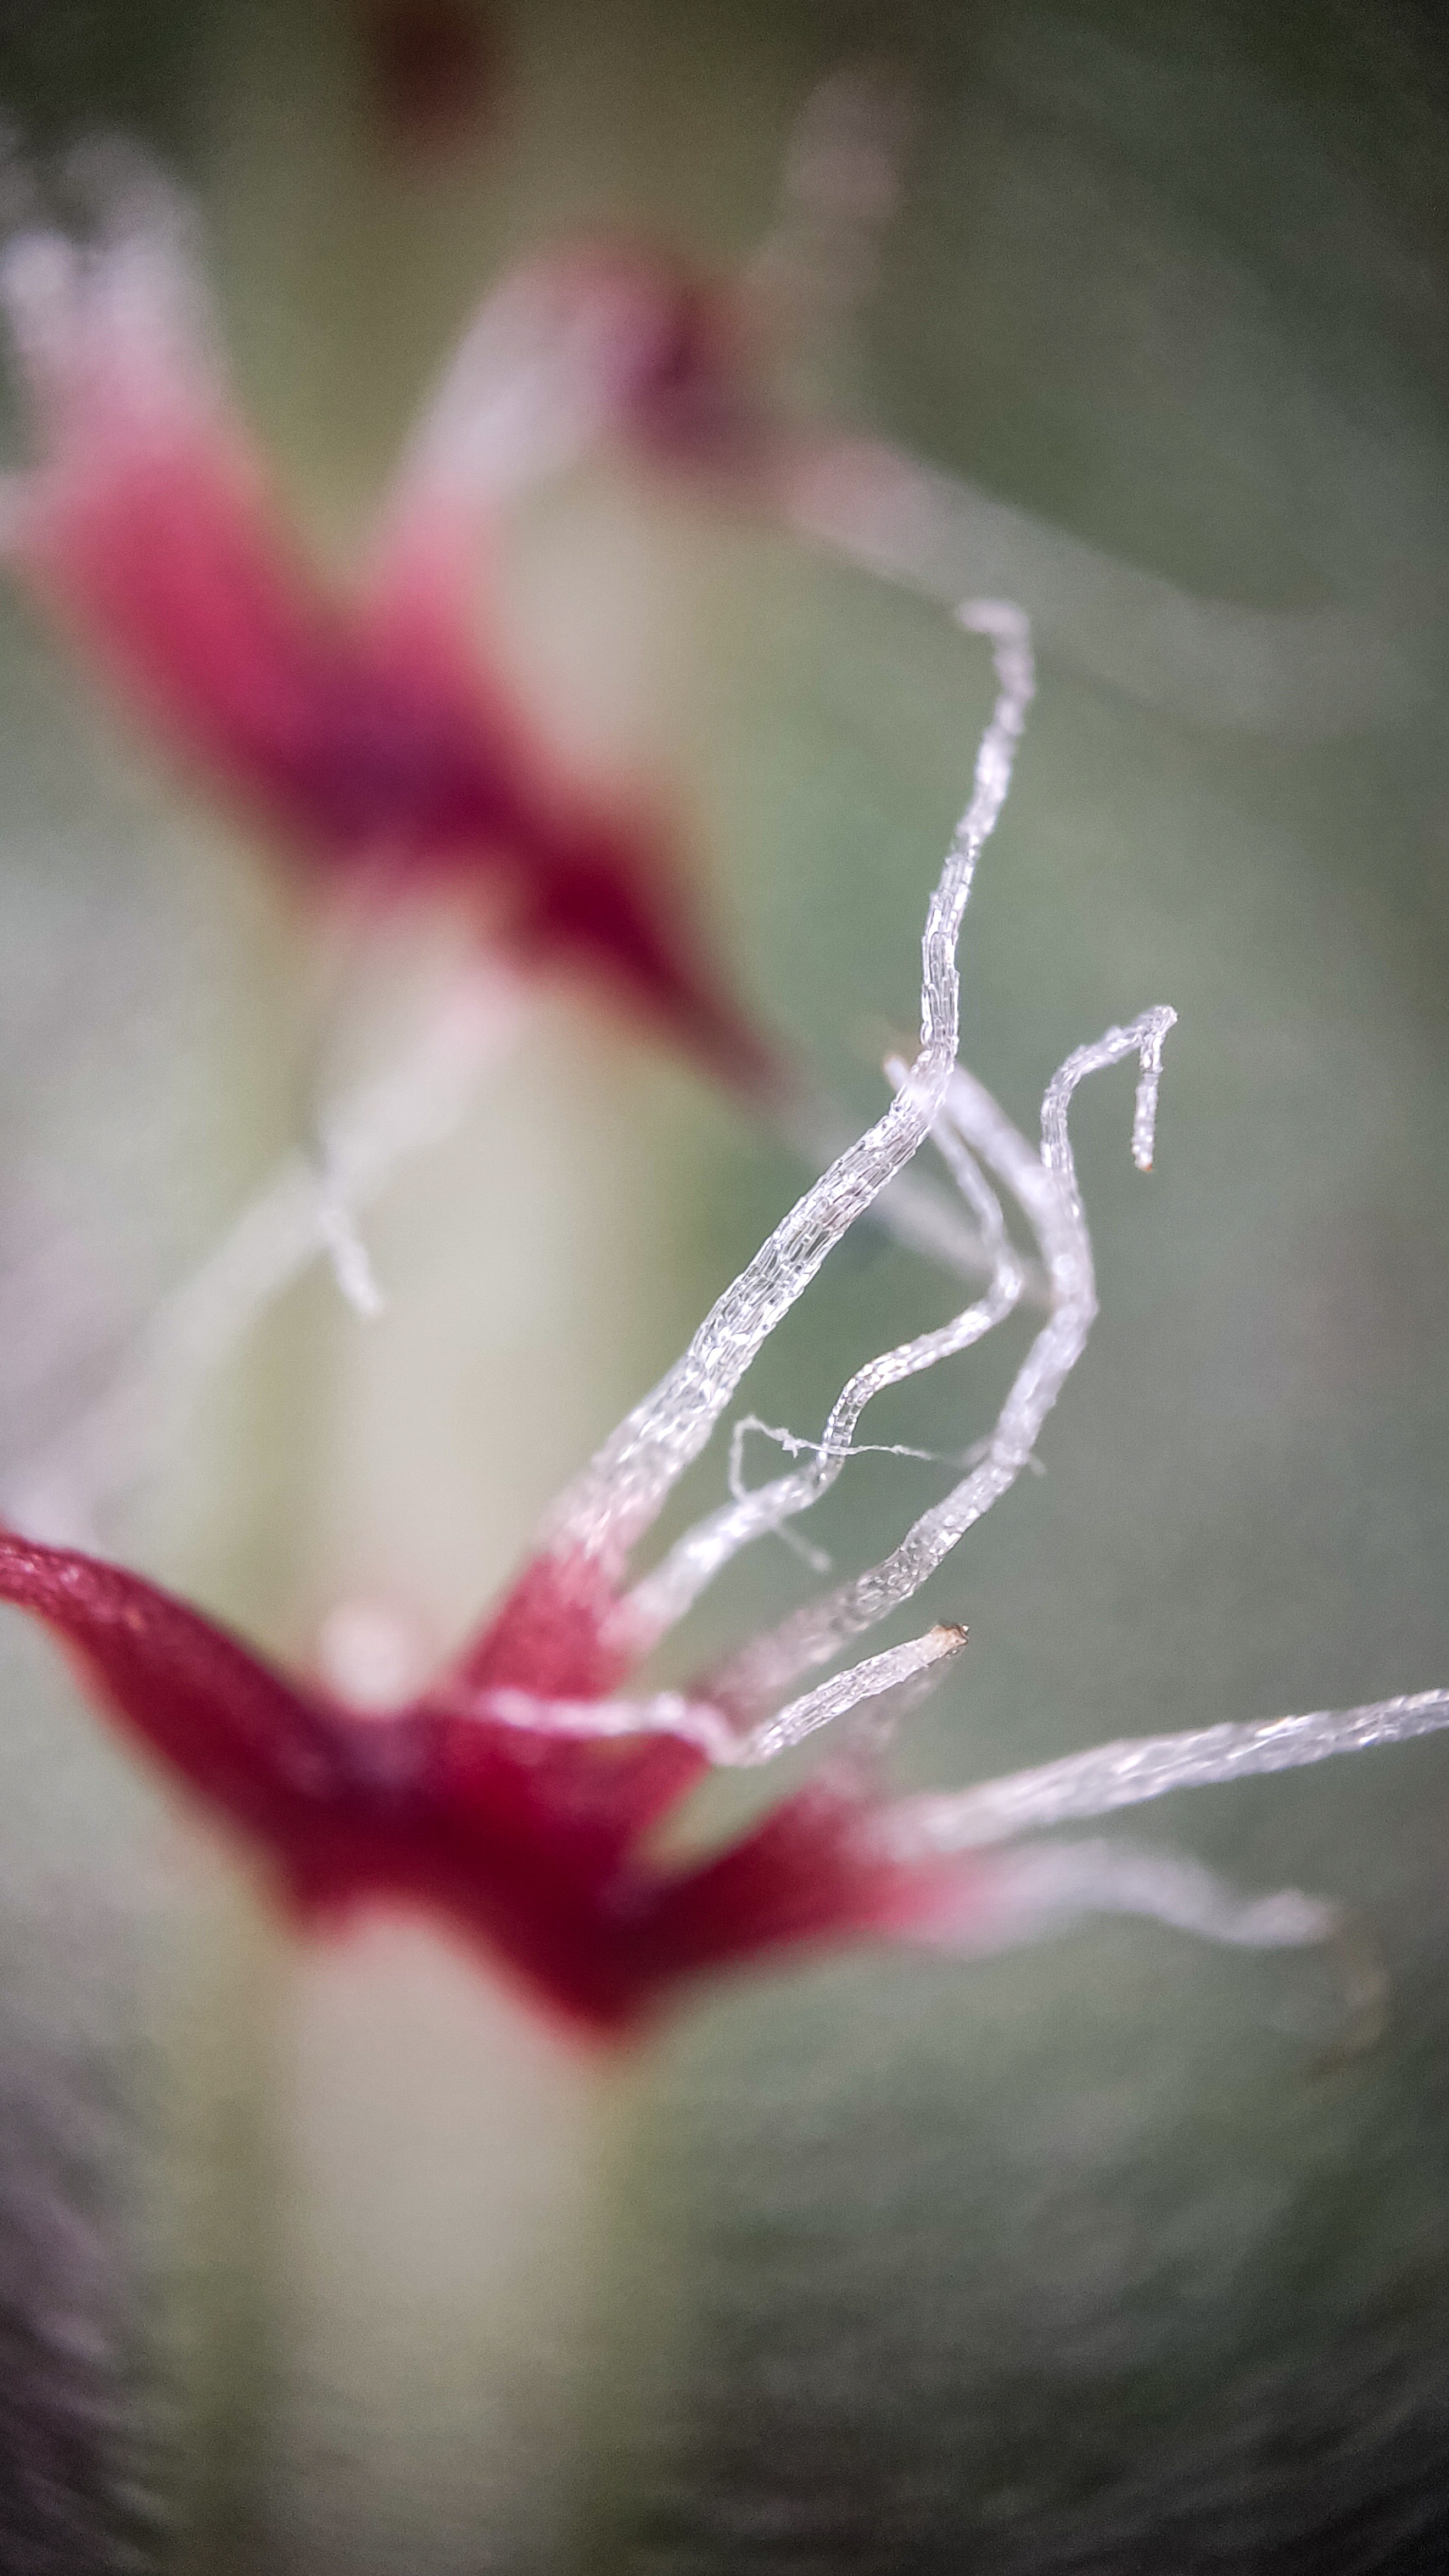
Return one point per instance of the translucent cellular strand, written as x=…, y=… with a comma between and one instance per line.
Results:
x=667, y=1593
x=696, y=1721
x=840, y=188
x=309, y=1207
x=690, y=1721
x=1040, y=1890
x=911, y=1209
x=1135, y=1768
x=1030, y=1893
x=1046, y=1188
x=620, y=1492
x=918, y=1659
x=1145, y=1039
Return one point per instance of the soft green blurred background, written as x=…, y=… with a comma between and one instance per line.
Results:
x=1077, y=2260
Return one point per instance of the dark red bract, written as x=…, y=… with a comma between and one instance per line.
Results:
x=369, y=733
x=374, y=746
x=528, y=1844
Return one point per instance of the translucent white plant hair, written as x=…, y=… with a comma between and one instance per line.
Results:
x=734, y=1715
x=118, y=319
x=610, y=1506
x=309, y=1207
x=545, y=371
x=664, y=1596
x=1137, y=1768
x=1046, y=1189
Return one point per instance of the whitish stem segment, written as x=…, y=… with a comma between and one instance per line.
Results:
x=1135, y=1768
x=618, y=1495
x=308, y=1208
x=1046, y=1188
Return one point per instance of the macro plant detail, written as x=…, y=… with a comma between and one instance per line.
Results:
x=514, y=1797
x=661, y=1997
x=370, y=734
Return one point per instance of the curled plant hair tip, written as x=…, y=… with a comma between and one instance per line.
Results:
x=1157, y=1024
